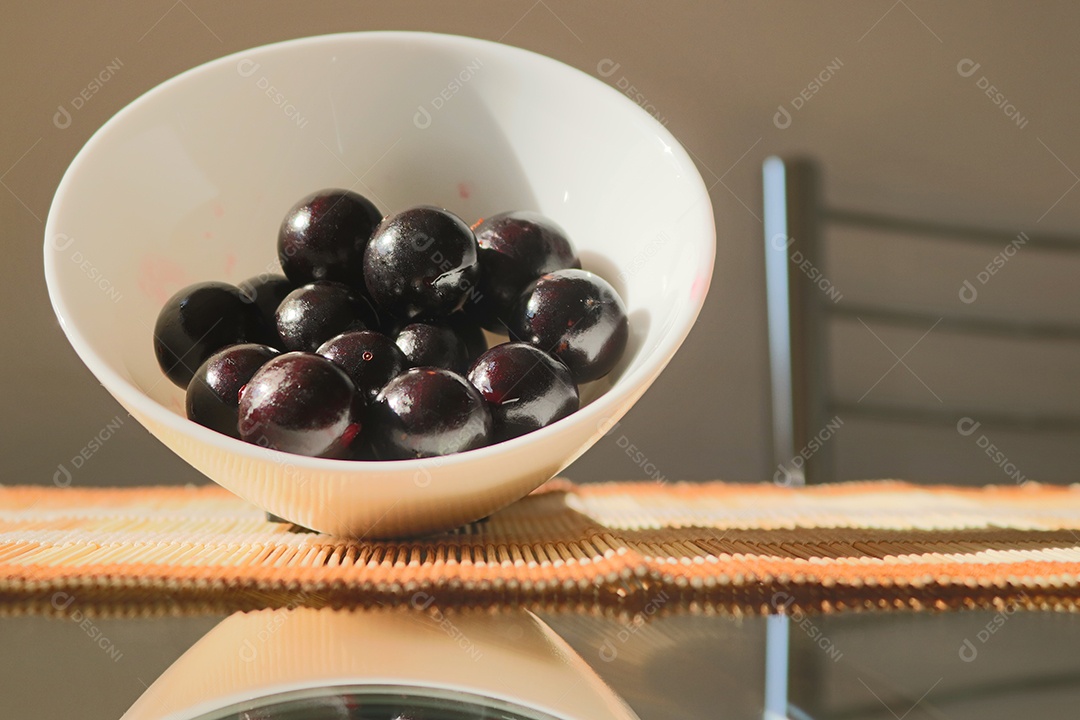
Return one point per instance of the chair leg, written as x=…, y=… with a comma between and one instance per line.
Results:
x=797, y=357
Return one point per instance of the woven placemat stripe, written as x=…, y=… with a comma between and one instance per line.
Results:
x=611, y=547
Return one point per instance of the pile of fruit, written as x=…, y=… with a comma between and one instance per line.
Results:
x=371, y=346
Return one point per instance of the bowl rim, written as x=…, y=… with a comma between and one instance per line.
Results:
x=602, y=411
x=286, y=694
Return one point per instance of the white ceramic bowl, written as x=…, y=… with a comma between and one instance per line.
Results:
x=190, y=182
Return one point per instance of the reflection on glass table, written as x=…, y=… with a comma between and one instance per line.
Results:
x=387, y=663
x=423, y=662
x=1006, y=664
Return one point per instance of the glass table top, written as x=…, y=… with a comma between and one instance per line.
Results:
x=421, y=663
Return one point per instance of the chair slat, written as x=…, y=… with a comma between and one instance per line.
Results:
x=888, y=223
x=974, y=325
x=1025, y=422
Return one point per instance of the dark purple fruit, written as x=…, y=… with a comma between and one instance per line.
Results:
x=370, y=359
x=470, y=333
x=323, y=237
x=515, y=249
x=213, y=395
x=430, y=344
x=525, y=389
x=267, y=292
x=312, y=314
x=426, y=412
x=577, y=317
x=300, y=403
x=361, y=448
x=421, y=261
x=197, y=322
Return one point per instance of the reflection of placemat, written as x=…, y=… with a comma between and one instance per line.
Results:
x=619, y=546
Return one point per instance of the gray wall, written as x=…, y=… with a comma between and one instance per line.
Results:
x=897, y=127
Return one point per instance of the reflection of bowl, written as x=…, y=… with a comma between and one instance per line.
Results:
x=268, y=662
x=190, y=181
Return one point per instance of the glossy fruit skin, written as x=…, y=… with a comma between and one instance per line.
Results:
x=525, y=389
x=370, y=359
x=323, y=237
x=300, y=403
x=421, y=262
x=314, y=313
x=578, y=318
x=427, y=412
x=197, y=322
x=213, y=395
x=431, y=344
x=515, y=249
x=267, y=292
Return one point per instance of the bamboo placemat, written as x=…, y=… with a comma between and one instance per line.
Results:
x=616, y=547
